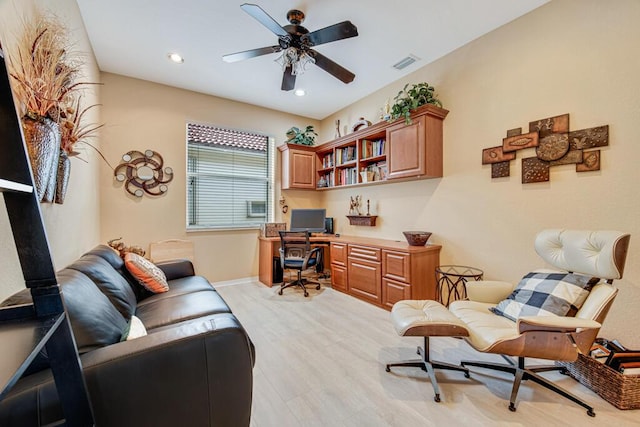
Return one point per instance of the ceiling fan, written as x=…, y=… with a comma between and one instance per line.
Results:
x=297, y=42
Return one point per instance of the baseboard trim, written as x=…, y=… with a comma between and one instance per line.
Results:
x=233, y=282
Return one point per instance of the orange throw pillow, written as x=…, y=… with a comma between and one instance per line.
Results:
x=146, y=273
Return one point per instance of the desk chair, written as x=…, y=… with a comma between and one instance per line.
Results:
x=526, y=323
x=296, y=254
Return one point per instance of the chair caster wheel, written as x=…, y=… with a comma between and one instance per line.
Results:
x=306, y=294
x=436, y=398
x=512, y=407
x=467, y=375
x=388, y=369
x=280, y=292
x=591, y=413
x=318, y=288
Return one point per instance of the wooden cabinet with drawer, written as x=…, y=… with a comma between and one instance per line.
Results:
x=407, y=275
x=396, y=277
x=339, y=266
x=365, y=278
x=394, y=291
x=385, y=272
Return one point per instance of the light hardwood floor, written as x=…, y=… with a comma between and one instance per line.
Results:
x=320, y=361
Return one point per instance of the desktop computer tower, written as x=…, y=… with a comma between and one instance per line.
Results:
x=277, y=273
x=328, y=225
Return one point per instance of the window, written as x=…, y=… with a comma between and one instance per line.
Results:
x=229, y=178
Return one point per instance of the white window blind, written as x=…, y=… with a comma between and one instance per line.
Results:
x=229, y=178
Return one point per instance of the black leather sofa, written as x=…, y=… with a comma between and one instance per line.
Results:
x=194, y=368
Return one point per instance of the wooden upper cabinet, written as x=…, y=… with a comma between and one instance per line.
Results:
x=416, y=149
x=298, y=166
x=406, y=145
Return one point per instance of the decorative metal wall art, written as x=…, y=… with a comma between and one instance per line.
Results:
x=555, y=145
x=143, y=173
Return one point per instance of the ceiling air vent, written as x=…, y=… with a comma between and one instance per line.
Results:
x=405, y=62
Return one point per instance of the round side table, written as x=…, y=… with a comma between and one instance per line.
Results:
x=454, y=278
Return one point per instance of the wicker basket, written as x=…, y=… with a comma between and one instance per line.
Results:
x=622, y=391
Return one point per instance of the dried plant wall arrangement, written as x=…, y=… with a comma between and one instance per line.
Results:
x=47, y=81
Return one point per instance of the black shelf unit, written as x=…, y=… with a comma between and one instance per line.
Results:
x=26, y=330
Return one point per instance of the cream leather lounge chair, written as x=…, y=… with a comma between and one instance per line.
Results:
x=525, y=326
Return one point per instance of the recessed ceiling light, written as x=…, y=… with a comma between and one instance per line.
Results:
x=300, y=92
x=176, y=58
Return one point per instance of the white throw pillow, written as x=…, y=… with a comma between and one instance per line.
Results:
x=135, y=329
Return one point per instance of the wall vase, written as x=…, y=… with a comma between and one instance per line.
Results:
x=42, y=137
x=62, y=181
x=50, y=190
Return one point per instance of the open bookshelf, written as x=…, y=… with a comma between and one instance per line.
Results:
x=359, y=158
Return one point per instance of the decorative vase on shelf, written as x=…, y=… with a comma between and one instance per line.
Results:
x=62, y=181
x=42, y=138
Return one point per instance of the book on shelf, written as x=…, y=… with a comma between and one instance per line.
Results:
x=348, y=176
x=327, y=161
x=372, y=148
x=346, y=154
x=329, y=179
x=377, y=171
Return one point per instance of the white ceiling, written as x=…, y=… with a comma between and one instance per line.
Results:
x=133, y=38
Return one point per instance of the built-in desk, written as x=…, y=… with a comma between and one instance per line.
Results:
x=378, y=271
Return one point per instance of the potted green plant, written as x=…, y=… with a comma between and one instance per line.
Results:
x=302, y=137
x=410, y=98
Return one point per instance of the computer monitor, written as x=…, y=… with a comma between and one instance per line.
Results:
x=311, y=220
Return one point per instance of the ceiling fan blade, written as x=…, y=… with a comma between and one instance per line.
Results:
x=263, y=17
x=239, y=56
x=332, y=68
x=342, y=30
x=288, y=80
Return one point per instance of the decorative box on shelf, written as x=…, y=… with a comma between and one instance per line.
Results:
x=368, y=220
x=270, y=229
x=622, y=391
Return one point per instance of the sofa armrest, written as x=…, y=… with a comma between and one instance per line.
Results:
x=199, y=371
x=488, y=291
x=555, y=324
x=176, y=269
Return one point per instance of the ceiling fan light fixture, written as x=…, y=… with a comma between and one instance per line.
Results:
x=295, y=45
x=175, y=57
x=295, y=58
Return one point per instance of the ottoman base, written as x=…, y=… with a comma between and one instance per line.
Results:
x=428, y=365
x=428, y=319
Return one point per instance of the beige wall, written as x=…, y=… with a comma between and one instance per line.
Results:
x=142, y=115
x=73, y=227
x=565, y=57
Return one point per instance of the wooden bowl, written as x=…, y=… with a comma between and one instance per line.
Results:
x=417, y=238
